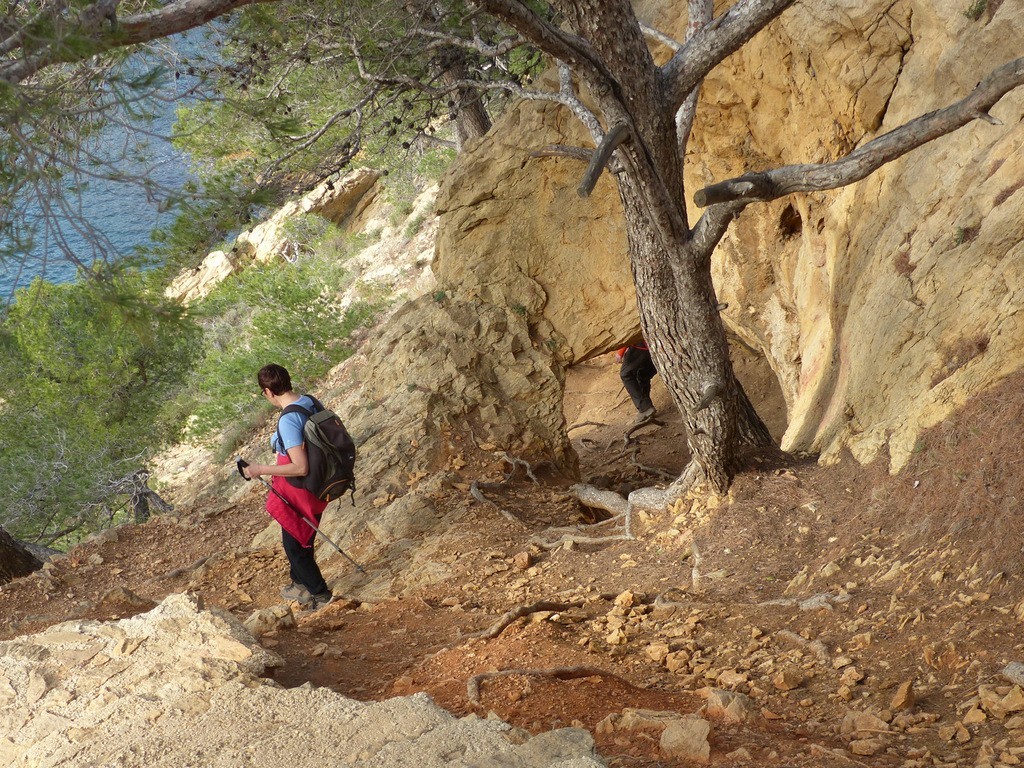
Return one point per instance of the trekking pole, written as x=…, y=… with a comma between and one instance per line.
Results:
x=242, y=464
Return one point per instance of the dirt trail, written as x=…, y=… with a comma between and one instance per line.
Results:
x=864, y=619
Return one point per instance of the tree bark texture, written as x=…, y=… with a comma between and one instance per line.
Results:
x=15, y=560
x=468, y=114
x=672, y=271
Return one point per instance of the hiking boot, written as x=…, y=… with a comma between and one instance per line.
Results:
x=320, y=600
x=646, y=415
x=298, y=593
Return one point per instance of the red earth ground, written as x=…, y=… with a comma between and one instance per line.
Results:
x=917, y=578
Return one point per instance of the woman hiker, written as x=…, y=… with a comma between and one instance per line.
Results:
x=636, y=373
x=308, y=586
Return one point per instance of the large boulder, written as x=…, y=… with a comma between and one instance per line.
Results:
x=514, y=233
x=183, y=686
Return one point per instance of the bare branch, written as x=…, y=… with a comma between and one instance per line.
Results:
x=476, y=43
x=569, y=97
x=581, y=424
x=714, y=43
x=701, y=13
x=573, y=50
x=600, y=158
x=770, y=185
x=660, y=37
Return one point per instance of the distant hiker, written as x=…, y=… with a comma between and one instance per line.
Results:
x=307, y=586
x=636, y=373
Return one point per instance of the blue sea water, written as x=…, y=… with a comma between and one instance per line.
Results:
x=120, y=212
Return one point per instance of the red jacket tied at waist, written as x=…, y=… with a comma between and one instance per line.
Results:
x=305, y=505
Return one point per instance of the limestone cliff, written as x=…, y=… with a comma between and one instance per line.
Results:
x=881, y=308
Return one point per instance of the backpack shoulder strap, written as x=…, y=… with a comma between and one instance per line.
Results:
x=293, y=408
x=296, y=408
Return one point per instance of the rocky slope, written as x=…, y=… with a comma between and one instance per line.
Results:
x=875, y=311
x=172, y=686
x=818, y=616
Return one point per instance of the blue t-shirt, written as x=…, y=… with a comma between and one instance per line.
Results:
x=289, y=427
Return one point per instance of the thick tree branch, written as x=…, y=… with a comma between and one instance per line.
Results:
x=130, y=30
x=602, y=155
x=701, y=13
x=712, y=226
x=769, y=185
x=714, y=43
x=573, y=50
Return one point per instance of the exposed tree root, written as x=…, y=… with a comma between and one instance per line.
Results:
x=515, y=462
x=573, y=539
x=477, y=494
x=656, y=471
x=519, y=612
x=596, y=498
x=653, y=421
x=585, y=424
x=180, y=571
x=661, y=601
x=559, y=673
x=631, y=452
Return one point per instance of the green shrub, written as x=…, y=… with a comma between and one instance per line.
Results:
x=415, y=225
x=283, y=313
x=976, y=10
x=90, y=374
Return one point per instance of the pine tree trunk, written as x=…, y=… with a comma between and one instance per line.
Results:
x=466, y=109
x=15, y=560
x=684, y=331
x=676, y=298
x=679, y=310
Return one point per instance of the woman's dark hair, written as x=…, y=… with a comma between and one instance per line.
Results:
x=275, y=378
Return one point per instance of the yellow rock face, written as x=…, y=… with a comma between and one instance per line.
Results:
x=881, y=307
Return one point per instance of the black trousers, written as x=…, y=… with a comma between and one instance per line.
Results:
x=304, y=569
x=636, y=374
